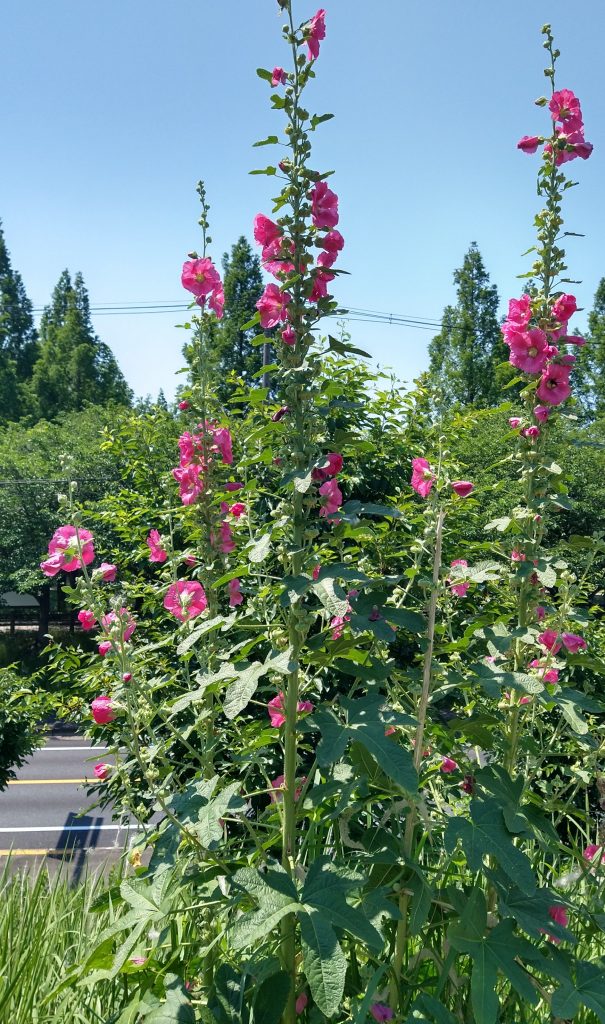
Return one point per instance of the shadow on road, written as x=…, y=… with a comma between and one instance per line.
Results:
x=72, y=846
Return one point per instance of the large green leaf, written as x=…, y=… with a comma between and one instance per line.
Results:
x=486, y=834
x=271, y=998
x=276, y=896
x=241, y=690
x=325, y=889
x=589, y=989
x=176, y=1009
x=364, y=725
x=499, y=951
x=324, y=962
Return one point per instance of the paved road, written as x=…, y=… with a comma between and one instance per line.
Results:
x=43, y=814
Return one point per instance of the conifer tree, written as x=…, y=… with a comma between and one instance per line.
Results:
x=18, y=340
x=74, y=368
x=243, y=285
x=464, y=356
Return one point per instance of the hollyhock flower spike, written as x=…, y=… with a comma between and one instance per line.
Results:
x=273, y=306
x=185, y=599
x=102, y=710
x=332, y=498
x=324, y=206
x=200, y=277
x=462, y=488
x=157, y=551
x=86, y=619
x=315, y=32
x=423, y=477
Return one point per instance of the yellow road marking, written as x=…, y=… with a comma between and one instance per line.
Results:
x=44, y=782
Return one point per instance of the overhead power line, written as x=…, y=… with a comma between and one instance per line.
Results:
x=349, y=313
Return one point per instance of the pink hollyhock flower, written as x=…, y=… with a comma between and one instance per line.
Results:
x=327, y=260
x=522, y=700
x=64, y=552
x=324, y=206
x=528, y=143
x=519, y=311
x=531, y=433
x=102, y=770
x=422, y=477
x=278, y=77
x=448, y=765
x=332, y=498
x=102, y=710
x=233, y=485
x=468, y=784
x=542, y=412
x=266, y=231
x=238, y=509
x=275, y=708
x=104, y=648
x=554, y=385
x=558, y=914
x=574, y=339
x=226, y=543
x=115, y=623
x=190, y=560
x=462, y=488
x=381, y=1012
x=390, y=730
x=86, y=619
x=126, y=678
x=315, y=32
x=140, y=960
x=273, y=258
x=279, y=415
x=301, y=1002
x=321, y=280
x=564, y=106
x=528, y=350
x=550, y=639
x=200, y=277
x=157, y=551
x=333, y=243
x=185, y=599
x=316, y=571
x=517, y=556
x=288, y=336
x=459, y=589
x=514, y=422
x=235, y=595
x=277, y=784
x=273, y=306
x=540, y=612
x=573, y=642
x=592, y=851
x=184, y=405
x=107, y=571
x=217, y=301
x=190, y=485
x=223, y=443
x=564, y=308
x=333, y=467
x=337, y=625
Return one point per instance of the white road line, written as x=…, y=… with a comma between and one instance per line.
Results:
x=70, y=828
x=42, y=750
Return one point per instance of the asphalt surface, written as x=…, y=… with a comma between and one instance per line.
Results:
x=44, y=814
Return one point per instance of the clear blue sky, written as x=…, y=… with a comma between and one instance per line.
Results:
x=112, y=111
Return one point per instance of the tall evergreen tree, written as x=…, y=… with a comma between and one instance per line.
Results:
x=243, y=285
x=18, y=339
x=593, y=354
x=464, y=356
x=74, y=367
